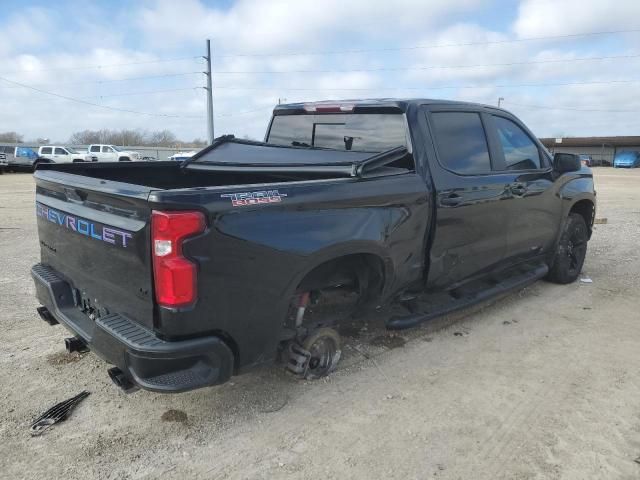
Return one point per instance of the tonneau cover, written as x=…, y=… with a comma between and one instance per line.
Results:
x=246, y=153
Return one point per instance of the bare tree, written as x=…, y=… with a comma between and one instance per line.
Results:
x=11, y=137
x=163, y=138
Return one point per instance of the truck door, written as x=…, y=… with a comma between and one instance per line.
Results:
x=534, y=207
x=46, y=152
x=60, y=155
x=470, y=231
x=94, y=151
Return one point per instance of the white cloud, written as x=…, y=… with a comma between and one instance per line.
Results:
x=552, y=17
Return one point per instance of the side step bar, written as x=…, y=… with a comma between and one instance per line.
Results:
x=456, y=302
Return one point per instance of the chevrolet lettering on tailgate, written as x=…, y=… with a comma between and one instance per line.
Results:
x=84, y=227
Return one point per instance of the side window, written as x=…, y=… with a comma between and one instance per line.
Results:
x=95, y=148
x=461, y=142
x=60, y=151
x=106, y=150
x=520, y=153
x=46, y=150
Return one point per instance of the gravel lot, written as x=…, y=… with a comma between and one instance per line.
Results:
x=543, y=383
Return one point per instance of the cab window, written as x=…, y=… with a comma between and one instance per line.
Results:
x=461, y=142
x=520, y=152
x=60, y=151
x=95, y=148
x=46, y=150
x=106, y=150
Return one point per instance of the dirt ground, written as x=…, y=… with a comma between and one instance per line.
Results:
x=544, y=383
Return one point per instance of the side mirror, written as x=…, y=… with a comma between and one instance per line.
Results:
x=566, y=162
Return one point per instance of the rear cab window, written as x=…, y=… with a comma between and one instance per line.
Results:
x=46, y=151
x=358, y=132
x=95, y=148
x=461, y=142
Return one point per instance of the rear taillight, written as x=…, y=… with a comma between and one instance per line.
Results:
x=175, y=276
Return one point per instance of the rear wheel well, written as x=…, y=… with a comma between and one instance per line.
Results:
x=339, y=288
x=586, y=209
x=365, y=268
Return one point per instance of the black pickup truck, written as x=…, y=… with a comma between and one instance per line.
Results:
x=184, y=274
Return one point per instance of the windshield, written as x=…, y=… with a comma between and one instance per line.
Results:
x=115, y=148
x=360, y=132
x=71, y=150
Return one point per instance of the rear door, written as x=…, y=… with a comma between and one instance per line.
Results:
x=470, y=235
x=95, y=233
x=94, y=151
x=535, y=209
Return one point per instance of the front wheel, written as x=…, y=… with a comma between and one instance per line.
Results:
x=571, y=251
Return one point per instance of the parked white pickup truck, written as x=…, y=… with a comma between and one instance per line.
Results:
x=111, y=153
x=59, y=154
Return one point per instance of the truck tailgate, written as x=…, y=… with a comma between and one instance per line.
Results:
x=95, y=234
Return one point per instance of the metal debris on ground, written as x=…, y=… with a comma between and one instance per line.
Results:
x=600, y=221
x=586, y=280
x=57, y=413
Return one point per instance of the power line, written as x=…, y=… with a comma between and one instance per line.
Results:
x=114, y=80
x=572, y=109
x=90, y=67
x=418, y=47
x=442, y=87
x=148, y=92
x=433, y=67
x=78, y=100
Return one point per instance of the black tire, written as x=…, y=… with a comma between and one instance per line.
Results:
x=571, y=252
x=124, y=159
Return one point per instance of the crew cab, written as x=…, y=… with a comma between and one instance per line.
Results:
x=61, y=154
x=182, y=274
x=111, y=153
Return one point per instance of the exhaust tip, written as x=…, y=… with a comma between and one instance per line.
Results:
x=75, y=344
x=123, y=382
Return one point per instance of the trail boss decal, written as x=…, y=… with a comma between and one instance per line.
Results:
x=242, y=199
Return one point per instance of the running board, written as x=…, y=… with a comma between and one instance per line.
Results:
x=463, y=298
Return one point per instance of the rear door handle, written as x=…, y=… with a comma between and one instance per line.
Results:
x=518, y=189
x=451, y=200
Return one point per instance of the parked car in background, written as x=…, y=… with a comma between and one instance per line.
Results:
x=59, y=154
x=111, y=153
x=626, y=159
x=586, y=160
x=181, y=156
x=19, y=158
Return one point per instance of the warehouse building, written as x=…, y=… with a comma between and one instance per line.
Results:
x=601, y=149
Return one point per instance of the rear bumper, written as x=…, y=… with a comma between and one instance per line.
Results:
x=149, y=361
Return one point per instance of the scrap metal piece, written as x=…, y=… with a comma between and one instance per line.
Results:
x=57, y=413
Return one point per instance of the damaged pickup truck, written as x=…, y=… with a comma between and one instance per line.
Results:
x=182, y=275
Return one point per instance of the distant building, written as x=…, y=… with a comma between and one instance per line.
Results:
x=601, y=149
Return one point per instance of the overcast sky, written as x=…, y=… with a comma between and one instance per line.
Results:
x=295, y=50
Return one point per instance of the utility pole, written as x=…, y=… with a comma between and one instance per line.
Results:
x=209, y=90
x=500, y=100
